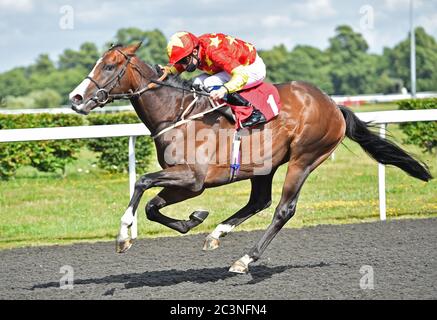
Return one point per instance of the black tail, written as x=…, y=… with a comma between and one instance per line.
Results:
x=382, y=150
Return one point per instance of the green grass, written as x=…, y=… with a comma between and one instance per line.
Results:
x=375, y=107
x=86, y=205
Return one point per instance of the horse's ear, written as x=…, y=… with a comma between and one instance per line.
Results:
x=130, y=50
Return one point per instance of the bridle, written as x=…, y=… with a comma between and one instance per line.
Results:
x=103, y=94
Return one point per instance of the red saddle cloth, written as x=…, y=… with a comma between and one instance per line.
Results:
x=265, y=97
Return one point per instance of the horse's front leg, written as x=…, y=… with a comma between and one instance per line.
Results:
x=180, y=178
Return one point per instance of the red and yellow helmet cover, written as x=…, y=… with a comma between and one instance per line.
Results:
x=181, y=44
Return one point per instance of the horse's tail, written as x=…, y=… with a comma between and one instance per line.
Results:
x=382, y=150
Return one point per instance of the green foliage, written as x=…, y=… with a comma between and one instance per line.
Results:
x=422, y=134
x=398, y=59
x=21, y=102
x=345, y=67
x=14, y=83
x=353, y=70
x=47, y=156
x=63, y=81
x=46, y=98
x=303, y=63
x=43, y=64
x=113, y=152
x=88, y=206
x=85, y=57
x=154, y=43
x=50, y=156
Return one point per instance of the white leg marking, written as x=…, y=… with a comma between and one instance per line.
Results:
x=126, y=220
x=221, y=230
x=246, y=259
x=83, y=86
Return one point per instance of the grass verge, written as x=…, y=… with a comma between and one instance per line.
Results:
x=86, y=205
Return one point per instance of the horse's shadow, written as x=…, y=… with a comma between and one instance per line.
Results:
x=171, y=277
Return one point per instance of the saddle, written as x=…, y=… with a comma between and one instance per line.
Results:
x=264, y=97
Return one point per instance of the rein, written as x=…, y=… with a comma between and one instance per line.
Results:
x=103, y=94
x=162, y=83
x=214, y=105
x=182, y=118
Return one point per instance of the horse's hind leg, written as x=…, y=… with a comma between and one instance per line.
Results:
x=260, y=199
x=296, y=176
x=299, y=167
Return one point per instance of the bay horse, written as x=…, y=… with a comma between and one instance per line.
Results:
x=307, y=130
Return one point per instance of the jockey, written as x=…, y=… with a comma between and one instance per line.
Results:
x=229, y=65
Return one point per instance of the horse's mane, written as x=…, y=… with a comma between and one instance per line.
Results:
x=115, y=45
x=174, y=80
x=186, y=85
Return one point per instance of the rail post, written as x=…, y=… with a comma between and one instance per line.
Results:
x=381, y=179
x=132, y=179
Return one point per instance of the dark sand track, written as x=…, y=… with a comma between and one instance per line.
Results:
x=321, y=262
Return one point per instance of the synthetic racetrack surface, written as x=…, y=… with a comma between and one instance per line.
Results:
x=320, y=262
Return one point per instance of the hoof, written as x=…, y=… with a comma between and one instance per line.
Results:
x=211, y=244
x=239, y=267
x=199, y=215
x=121, y=246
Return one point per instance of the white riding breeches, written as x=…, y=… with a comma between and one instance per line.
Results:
x=256, y=73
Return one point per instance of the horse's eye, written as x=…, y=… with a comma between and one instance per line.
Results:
x=109, y=67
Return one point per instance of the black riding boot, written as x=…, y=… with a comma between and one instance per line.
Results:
x=255, y=118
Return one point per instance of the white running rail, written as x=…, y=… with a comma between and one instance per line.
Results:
x=348, y=100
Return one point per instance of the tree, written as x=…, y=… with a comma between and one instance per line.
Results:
x=85, y=57
x=353, y=71
x=64, y=81
x=347, y=44
x=14, y=82
x=277, y=61
x=47, y=98
x=153, y=47
x=345, y=67
x=398, y=59
x=21, y=102
x=312, y=65
x=43, y=64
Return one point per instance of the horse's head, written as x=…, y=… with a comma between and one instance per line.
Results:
x=106, y=78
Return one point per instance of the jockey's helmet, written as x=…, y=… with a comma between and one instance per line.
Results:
x=181, y=44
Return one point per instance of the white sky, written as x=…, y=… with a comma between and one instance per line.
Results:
x=31, y=27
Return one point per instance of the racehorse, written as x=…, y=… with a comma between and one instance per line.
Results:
x=306, y=131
